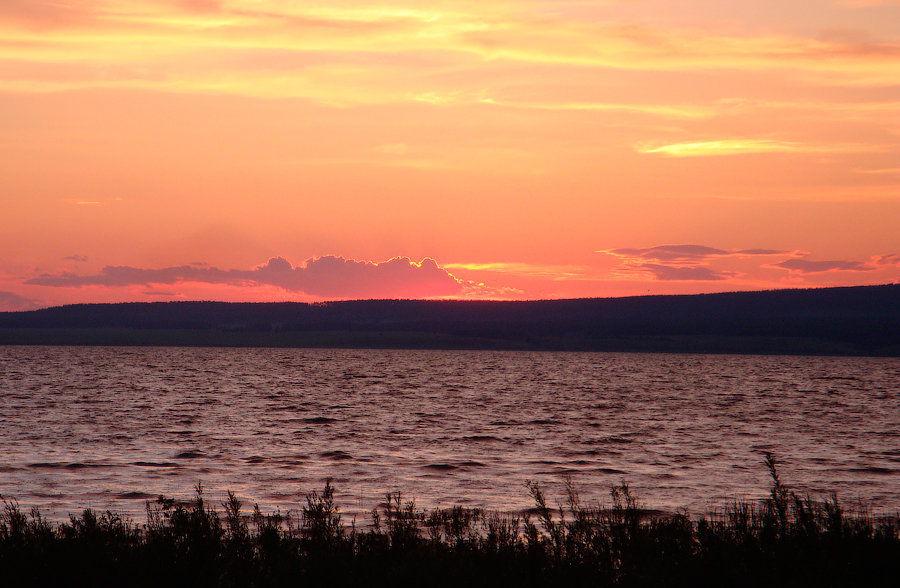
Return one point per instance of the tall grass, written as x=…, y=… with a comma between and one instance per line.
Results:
x=785, y=540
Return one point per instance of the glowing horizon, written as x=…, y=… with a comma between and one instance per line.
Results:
x=498, y=150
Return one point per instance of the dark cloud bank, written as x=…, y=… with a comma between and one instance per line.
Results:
x=328, y=276
x=690, y=262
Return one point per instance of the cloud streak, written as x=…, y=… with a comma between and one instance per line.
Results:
x=685, y=273
x=164, y=39
x=746, y=147
x=554, y=272
x=720, y=147
x=886, y=260
x=692, y=253
x=688, y=262
x=694, y=262
x=807, y=266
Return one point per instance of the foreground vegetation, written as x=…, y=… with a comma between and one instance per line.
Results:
x=786, y=540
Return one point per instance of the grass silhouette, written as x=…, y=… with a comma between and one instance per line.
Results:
x=785, y=540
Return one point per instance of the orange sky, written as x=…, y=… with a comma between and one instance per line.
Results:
x=291, y=150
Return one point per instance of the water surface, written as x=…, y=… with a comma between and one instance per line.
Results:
x=112, y=427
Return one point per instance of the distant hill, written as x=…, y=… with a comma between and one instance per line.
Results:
x=861, y=320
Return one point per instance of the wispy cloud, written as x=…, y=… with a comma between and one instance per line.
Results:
x=890, y=259
x=692, y=273
x=720, y=147
x=692, y=253
x=747, y=147
x=687, y=262
x=893, y=171
x=704, y=263
x=551, y=271
x=169, y=43
x=808, y=266
x=662, y=110
x=76, y=257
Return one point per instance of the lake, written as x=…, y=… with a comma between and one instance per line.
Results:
x=108, y=427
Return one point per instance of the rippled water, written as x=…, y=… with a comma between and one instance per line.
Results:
x=113, y=427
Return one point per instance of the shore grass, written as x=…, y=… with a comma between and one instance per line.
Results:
x=785, y=540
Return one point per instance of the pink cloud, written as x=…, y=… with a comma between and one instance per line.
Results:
x=333, y=276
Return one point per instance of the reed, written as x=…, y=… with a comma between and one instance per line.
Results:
x=785, y=540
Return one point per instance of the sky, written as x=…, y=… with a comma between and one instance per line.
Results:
x=272, y=150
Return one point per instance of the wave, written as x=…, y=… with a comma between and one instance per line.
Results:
x=441, y=467
x=68, y=466
x=135, y=496
x=319, y=420
x=873, y=470
x=336, y=455
x=192, y=454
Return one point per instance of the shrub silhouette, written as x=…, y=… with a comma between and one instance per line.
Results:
x=785, y=540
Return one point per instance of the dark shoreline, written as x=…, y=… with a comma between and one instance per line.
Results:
x=856, y=321
x=112, y=337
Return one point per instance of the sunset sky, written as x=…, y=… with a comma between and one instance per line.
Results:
x=268, y=150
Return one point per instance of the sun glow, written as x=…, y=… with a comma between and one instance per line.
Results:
x=537, y=133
